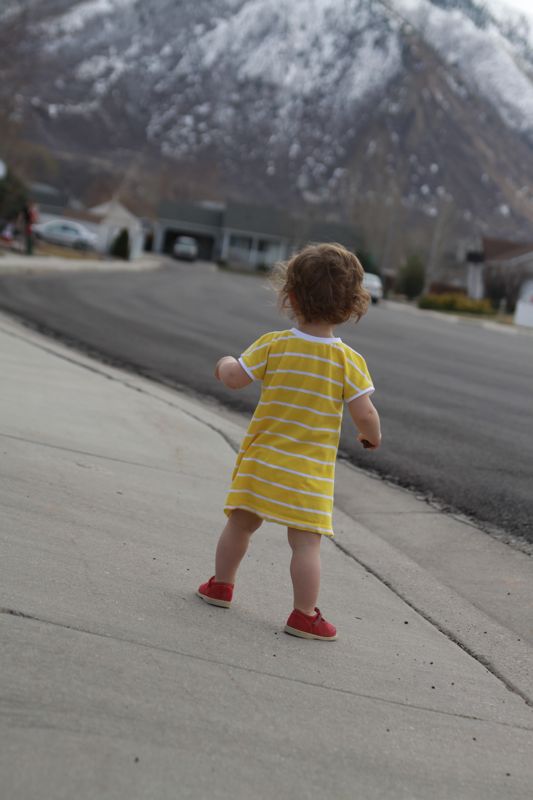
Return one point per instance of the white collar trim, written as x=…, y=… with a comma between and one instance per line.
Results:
x=324, y=339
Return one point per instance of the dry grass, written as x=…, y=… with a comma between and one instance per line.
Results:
x=47, y=249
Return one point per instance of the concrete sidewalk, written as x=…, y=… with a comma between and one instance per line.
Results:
x=117, y=682
x=19, y=264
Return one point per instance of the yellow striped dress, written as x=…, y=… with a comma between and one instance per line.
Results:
x=285, y=468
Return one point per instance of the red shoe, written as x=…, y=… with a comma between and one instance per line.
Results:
x=310, y=627
x=216, y=593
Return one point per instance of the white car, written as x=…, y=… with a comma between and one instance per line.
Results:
x=372, y=283
x=66, y=232
x=185, y=248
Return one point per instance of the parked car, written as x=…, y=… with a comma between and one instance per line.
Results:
x=185, y=248
x=67, y=233
x=374, y=286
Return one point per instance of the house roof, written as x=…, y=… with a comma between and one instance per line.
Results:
x=258, y=219
x=45, y=195
x=504, y=250
x=114, y=210
x=79, y=215
x=191, y=213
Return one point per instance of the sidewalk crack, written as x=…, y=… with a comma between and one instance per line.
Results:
x=253, y=671
x=86, y=453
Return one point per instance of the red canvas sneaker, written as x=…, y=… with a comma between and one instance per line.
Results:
x=216, y=593
x=314, y=627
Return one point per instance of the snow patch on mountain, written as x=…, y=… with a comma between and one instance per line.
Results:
x=103, y=72
x=348, y=48
x=83, y=13
x=344, y=50
x=485, y=58
x=517, y=11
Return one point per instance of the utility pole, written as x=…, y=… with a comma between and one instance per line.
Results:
x=437, y=240
x=389, y=239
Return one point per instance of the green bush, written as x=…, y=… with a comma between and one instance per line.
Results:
x=411, y=277
x=455, y=302
x=121, y=245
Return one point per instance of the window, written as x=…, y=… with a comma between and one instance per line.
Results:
x=240, y=242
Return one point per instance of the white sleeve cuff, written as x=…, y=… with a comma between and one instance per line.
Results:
x=370, y=390
x=246, y=369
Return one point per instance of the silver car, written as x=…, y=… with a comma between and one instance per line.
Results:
x=372, y=283
x=185, y=248
x=67, y=233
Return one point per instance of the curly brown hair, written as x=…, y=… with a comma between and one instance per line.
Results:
x=322, y=283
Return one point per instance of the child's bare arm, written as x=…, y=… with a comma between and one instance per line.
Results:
x=229, y=371
x=366, y=420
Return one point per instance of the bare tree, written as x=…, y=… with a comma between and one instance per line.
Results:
x=504, y=284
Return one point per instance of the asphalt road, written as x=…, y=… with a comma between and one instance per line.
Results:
x=455, y=398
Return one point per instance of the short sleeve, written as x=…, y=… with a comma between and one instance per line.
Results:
x=357, y=380
x=254, y=359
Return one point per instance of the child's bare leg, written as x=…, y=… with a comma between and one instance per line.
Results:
x=233, y=543
x=305, y=568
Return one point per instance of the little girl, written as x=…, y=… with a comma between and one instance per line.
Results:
x=286, y=465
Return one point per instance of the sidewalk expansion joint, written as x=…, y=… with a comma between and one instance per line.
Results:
x=481, y=659
x=86, y=453
x=253, y=671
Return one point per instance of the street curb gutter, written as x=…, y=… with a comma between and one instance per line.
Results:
x=498, y=649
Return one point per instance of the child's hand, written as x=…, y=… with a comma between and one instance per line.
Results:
x=217, y=368
x=366, y=443
x=366, y=421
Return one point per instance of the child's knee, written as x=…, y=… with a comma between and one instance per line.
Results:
x=245, y=521
x=299, y=539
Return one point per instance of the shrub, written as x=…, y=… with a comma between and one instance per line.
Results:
x=455, y=302
x=121, y=245
x=411, y=277
x=439, y=287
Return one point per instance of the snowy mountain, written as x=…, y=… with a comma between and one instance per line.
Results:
x=352, y=105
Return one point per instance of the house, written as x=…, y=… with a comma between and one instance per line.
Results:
x=513, y=260
x=255, y=236
x=112, y=217
x=524, y=307
x=105, y=220
x=203, y=221
x=49, y=200
x=243, y=234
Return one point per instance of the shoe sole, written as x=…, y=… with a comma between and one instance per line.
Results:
x=213, y=602
x=304, y=635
